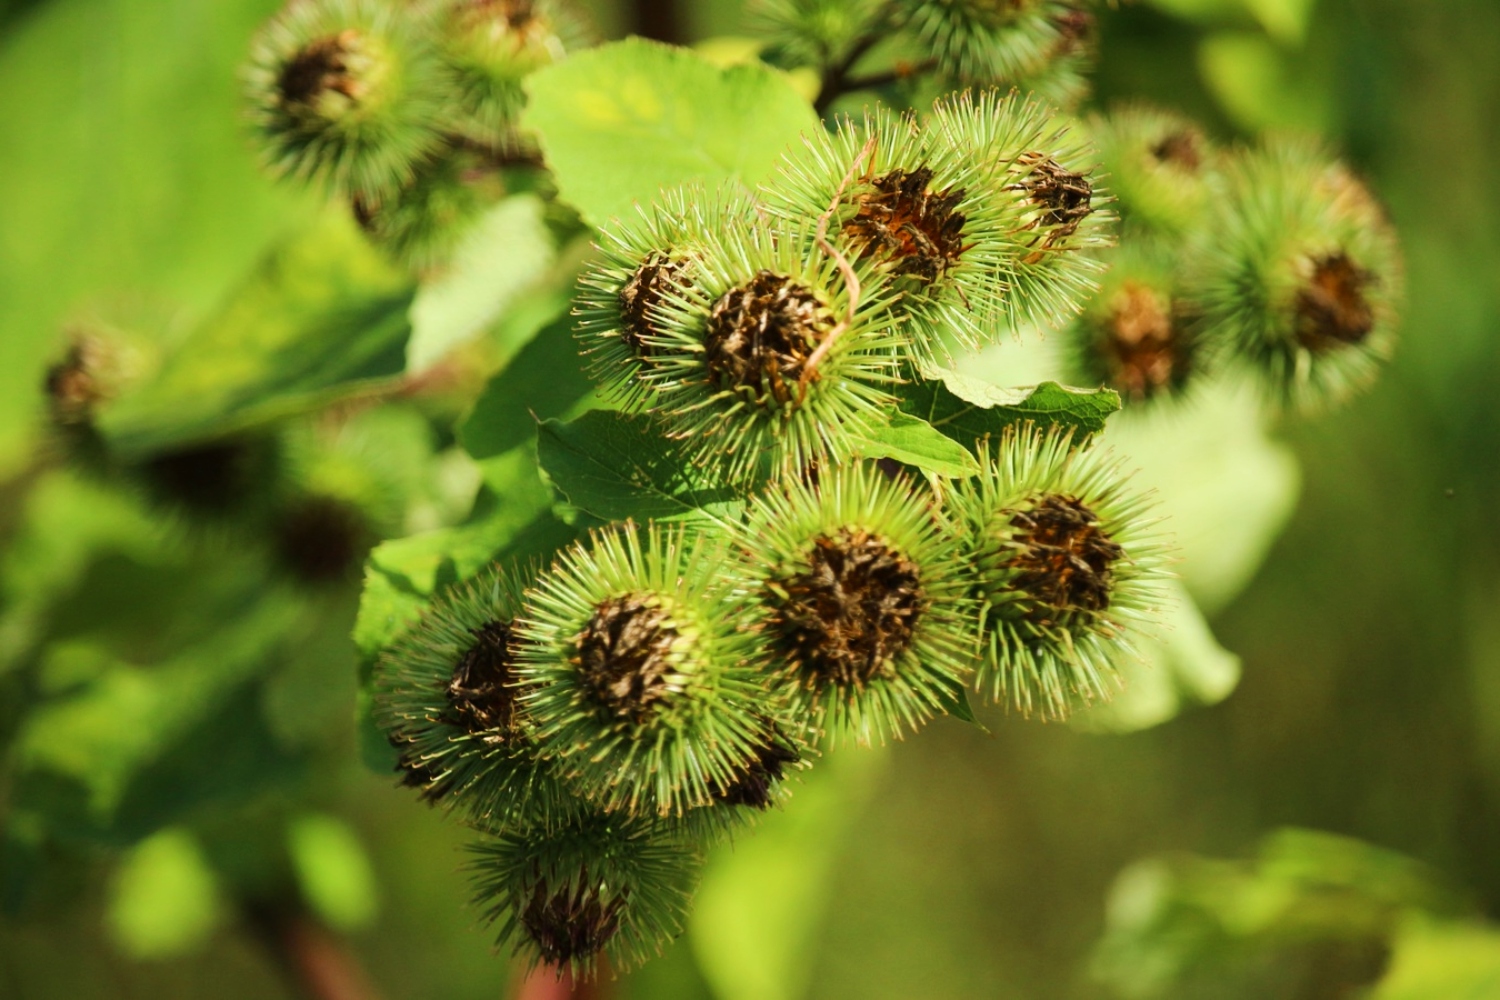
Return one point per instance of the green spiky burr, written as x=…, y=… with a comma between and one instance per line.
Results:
x=867, y=623
x=1065, y=559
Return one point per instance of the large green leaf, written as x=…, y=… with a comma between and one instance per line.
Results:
x=968, y=409
x=1442, y=960
x=323, y=315
x=544, y=380
x=125, y=171
x=617, y=466
x=621, y=121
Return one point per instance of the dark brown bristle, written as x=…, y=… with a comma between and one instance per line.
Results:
x=320, y=66
x=479, y=692
x=643, y=293
x=1064, y=560
x=916, y=230
x=1064, y=198
x=1332, y=309
x=761, y=334
x=624, y=656
x=845, y=619
x=568, y=926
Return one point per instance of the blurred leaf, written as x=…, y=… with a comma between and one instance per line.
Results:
x=1225, y=488
x=1285, y=20
x=617, y=466
x=507, y=253
x=1179, y=919
x=1254, y=82
x=125, y=169
x=333, y=871
x=621, y=121
x=1440, y=960
x=1181, y=665
x=967, y=409
x=165, y=900
x=913, y=441
x=137, y=748
x=544, y=380
x=324, y=315
x=754, y=927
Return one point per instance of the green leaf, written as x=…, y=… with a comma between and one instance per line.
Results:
x=1442, y=960
x=1180, y=666
x=621, y=121
x=968, y=409
x=165, y=899
x=323, y=316
x=755, y=922
x=333, y=871
x=617, y=466
x=508, y=252
x=913, y=441
x=544, y=380
x=125, y=169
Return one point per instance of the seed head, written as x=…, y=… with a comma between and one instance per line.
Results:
x=644, y=293
x=321, y=539
x=480, y=691
x=1143, y=342
x=1331, y=306
x=851, y=612
x=755, y=784
x=1062, y=558
x=322, y=67
x=625, y=655
x=1064, y=198
x=917, y=231
x=567, y=926
x=761, y=334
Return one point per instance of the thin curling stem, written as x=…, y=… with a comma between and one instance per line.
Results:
x=845, y=268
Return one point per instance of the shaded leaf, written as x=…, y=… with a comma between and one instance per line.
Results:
x=913, y=441
x=544, y=380
x=968, y=409
x=323, y=316
x=617, y=466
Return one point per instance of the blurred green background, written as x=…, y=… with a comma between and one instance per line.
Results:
x=954, y=865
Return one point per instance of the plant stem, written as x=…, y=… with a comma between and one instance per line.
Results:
x=317, y=964
x=659, y=19
x=837, y=79
x=544, y=983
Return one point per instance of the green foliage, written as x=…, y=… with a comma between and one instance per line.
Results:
x=626, y=574
x=658, y=117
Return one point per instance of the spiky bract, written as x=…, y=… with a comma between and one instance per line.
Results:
x=595, y=884
x=767, y=359
x=866, y=625
x=641, y=258
x=1160, y=165
x=1065, y=560
x=997, y=41
x=636, y=672
x=1299, y=275
x=913, y=210
x=446, y=698
x=347, y=92
x=422, y=223
x=1138, y=336
x=813, y=32
x=492, y=46
x=1040, y=188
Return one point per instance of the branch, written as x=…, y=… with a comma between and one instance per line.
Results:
x=317, y=963
x=837, y=79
